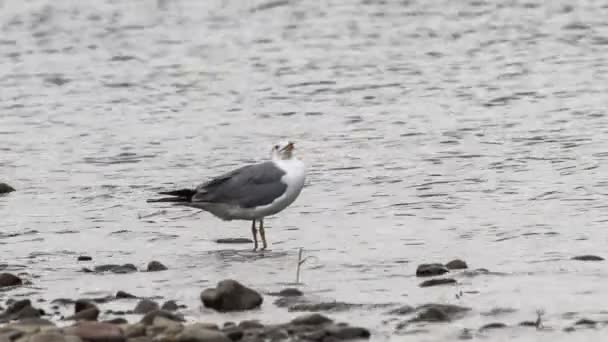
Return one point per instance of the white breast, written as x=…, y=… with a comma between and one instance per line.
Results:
x=294, y=177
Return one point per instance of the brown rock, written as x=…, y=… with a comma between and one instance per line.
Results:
x=230, y=295
x=98, y=332
x=145, y=306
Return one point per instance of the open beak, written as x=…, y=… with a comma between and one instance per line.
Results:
x=289, y=147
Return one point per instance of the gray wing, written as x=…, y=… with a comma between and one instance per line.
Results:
x=247, y=187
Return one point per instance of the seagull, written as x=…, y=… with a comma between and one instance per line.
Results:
x=251, y=192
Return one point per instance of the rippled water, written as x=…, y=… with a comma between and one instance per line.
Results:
x=432, y=130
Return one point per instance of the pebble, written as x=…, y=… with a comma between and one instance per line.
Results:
x=456, y=264
x=588, y=258
x=234, y=241
x=585, y=321
x=5, y=188
x=311, y=319
x=145, y=306
x=230, y=295
x=489, y=326
x=326, y=306
x=148, y=318
x=170, y=305
x=9, y=279
x=120, y=269
x=436, y=282
x=288, y=292
x=122, y=294
x=156, y=266
x=438, y=312
x=84, y=258
x=429, y=270
x=89, y=314
x=403, y=310
x=194, y=333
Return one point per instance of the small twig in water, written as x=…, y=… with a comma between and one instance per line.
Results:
x=300, y=262
x=539, y=318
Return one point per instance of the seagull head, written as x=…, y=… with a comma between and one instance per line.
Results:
x=283, y=150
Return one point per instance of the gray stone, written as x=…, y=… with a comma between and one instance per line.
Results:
x=436, y=282
x=491, y=326
x=403, y=310
x=347, y=332
x=146, y=305
x=234, y=241
x=170, y=305
x=456, y=264
x=230, y=295
x=156, y=266
x=88, y=314
x=5, y=188
x=438, y=312
x=428, y=270
x=194, y=333
x=327, y=306
x=8, y=279
x=311, y=319
x=588, y=258
x=122, y=295
x=148, y=318
x=288, y=292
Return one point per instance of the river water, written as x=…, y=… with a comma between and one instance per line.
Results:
x=432, y=130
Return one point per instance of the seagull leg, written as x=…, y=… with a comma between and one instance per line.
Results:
x=263, y=234
x=255, y=235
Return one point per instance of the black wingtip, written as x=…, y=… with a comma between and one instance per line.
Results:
x=182, y=195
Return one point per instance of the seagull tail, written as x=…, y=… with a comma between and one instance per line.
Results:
x=183, y=195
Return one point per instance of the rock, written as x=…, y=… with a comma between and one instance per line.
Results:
x=126, y=268
x=170, y=305
x=311, y=319
x=84, y=258
x=288, y=292
x=155, y=266
x=48, y=337
x=489, y=326
x=431, y=315
x=166, y=325
x=234, y=240
x=347, y=333
x=234, y=333
x=83, y=304
x=456, y=264
x=8, y=279
x=35, y=321
x=5, y=188
x=428, y=270
x=97, y=332
x=438, y=312
x=117, y=321
x=89, y=314
x=230, y=295
x=402, y=311
x=527, y=324
x=135, y=330
x=588, y=258
x=28, y=312
x=328, y=306
x=123, y=294
x=148, y=318
x=195, y=333
x=435, y=282
x=145, y=306
x=585, y=321
x=17, y=306
x=250, y=324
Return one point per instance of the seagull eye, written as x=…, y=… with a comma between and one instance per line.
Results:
x=276, y=147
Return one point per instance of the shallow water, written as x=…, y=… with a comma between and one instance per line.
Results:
x=432, y=130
